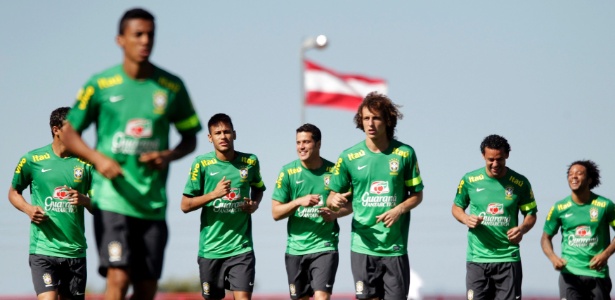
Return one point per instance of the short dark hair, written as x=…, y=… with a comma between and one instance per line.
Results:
x=135, y=13
x=592, y=171
x=496, y=142
x=219, y=118
x=375, y=101
x=57, y=117
x=307, y=127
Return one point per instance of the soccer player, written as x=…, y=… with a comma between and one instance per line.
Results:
x=132, y=105
x=58, y=184
x=383, y=176
x=495, y=195
x=227, y=186
x=584, y=219
x=313, y=233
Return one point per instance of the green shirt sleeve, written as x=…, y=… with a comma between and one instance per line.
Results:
x=86, y=107
x=462, y=199
x=281, y=191
x=553, y=222
x=22, y=177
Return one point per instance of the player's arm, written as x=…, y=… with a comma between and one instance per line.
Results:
x=281, y=210
x=191, y=203
x=76, y=145
x=392, y=215
x=76, y=198
x=515, y=234
x=546, y=242
x=35, y=213
x=469, y=220
x=250, y=205
x=601, y=259
x=161, y=159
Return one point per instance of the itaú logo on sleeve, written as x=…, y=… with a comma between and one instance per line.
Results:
x=139, y=128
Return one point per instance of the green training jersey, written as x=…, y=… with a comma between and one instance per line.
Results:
x=307, y=230
x=226, y=230
x=585, y=232
x=379, y=182
x=133, y=117
x=63, y=234
x=498, y=201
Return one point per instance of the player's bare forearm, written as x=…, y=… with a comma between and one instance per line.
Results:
x=189, y=204
x=280, y=210
x=546, y=242
x=411, y=202
x=256, y=194
x=186, y=145
x=35, y=213
x=528, y=223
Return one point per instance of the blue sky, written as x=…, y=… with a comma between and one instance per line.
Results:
x=539, y=73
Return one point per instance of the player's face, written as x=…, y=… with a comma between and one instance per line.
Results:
x=306, y=147
x=137, y=40
x=577, y=178
x=495, y=160
x=373, y=124
x=222, y=136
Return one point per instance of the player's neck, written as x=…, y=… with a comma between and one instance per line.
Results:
x=226, y=155
x=377, y=145
x=137, y=71
x=58, y=148
x=581, y=197
x=312, y=164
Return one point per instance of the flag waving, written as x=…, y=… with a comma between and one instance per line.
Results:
x=325, y=87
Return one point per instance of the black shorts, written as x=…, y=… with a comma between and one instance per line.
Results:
x=385, y=277
x=67, y=275
x=234, y=273
x=130, y=243
x=488, y=281
x=584, y=287
x=311, y=272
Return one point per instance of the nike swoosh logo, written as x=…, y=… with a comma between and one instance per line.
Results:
x=113, y=99
x=328, y=285
x=213, y=173
x=479, y=190
x=299, y=181
x=567, y=215
x=45, y=170
x=251, y=283
x=361, y=167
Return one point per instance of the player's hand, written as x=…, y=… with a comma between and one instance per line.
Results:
x=37, y=214
x=308, y=200
x=598, y=262
x=390, y=216
x=222, y=188
x=515, y=235
x=107, y=167
x=473, y=220
x=558, y=263
x=338, y=200
x=157, y=160
x=327, y=214
x=76, y=198
x=249, y=205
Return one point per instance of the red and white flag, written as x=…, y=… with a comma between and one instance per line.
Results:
x=326, y=87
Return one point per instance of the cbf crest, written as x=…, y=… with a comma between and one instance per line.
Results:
x=115, y=251
x=78, y=174
x=206, y=288
x=359, y=287
x=509, y=192
x=160, y=102
x=394, y=166
x=47, y=279
x=243, y=173
x=327, y=180
x=593, y=214
x=293, y=290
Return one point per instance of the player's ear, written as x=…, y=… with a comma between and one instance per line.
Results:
x=234, y=135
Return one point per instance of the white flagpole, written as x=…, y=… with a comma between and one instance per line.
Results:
x=319, y=42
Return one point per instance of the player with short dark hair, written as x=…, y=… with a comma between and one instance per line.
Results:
x=301, y=189
x=584, y=219
x=382, y=175
x=133, y=105
x=495, y=195
x=59, y=183
x=227, y=186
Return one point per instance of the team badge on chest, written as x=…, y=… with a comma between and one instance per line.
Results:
x=593, y=214
x=78, y=173
x=394, y=166
x=160, y=102
x=509, y=192
x=243, y=173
